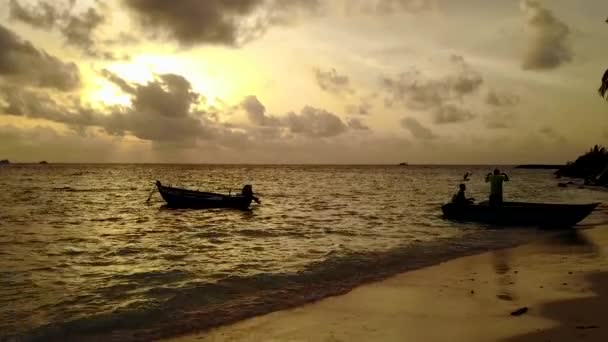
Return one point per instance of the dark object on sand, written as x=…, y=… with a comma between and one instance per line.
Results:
x=587, y=327
x=520, y=311
x=520, y=213
x=182, y=198
x=4, y=161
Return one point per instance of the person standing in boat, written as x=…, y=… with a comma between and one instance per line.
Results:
x=496, y=179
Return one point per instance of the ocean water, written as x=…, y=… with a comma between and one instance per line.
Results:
x=83, y=256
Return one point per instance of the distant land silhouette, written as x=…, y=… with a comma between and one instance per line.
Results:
x=539, y=166
x=4, y=161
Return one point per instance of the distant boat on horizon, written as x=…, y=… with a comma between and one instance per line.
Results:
x=4, y=161
x=43, y=162
x=403, y=164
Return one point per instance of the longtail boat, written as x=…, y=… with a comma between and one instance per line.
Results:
x=520, y=213
x=183, y=198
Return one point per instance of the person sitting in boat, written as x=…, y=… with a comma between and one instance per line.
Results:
x=460, y=198
x=248, y=192
x=496, y=179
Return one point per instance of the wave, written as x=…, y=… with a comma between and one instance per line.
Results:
x=167, y=311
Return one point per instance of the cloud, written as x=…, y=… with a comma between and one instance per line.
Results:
x=357, y=124
x=416, y=129
x=257, y=112
x=332, y=82
x=386, y=7
x=224, y=22
x=43, y=16
x=167, y=112
x=315, y=122
x=236, y=22
x=501, y=100
x=310, y=122
x=164, y=110
x=451, y=114
x=499, y=120
x=24, y=64
x=78, y=29
x=438, y=96
x=549, y=132
x=548, y=45
x=364, y=108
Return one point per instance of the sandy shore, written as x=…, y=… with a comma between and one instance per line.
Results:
x=563, y=283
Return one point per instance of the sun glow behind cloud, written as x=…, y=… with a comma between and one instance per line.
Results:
x=142, y=69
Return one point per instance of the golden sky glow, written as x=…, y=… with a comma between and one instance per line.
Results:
x=362, y=81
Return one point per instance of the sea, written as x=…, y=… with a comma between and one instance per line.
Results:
x=84, y=256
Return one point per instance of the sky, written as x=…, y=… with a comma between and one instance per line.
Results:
x=302, y=81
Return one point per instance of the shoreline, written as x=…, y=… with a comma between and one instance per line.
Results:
x=561, y=280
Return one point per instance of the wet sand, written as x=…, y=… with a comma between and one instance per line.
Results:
x=562, y=281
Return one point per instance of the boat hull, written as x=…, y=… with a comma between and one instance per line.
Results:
x=182, y=198
x=520, y=214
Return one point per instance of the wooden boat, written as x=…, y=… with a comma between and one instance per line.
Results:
x=520, y=213
x=182, y=198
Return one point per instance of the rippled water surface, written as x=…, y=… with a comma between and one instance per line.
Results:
x=83, y=254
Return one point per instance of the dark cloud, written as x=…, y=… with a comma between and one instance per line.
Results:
x=315, y=122
x=416, y=129
x=357, y=124
x=20, y=101
x=501, y=100
x=236, y=22
x=78, y=29
x=439, y=96
x=193, y=21
x=165, y=110
x=227, y=22
x=548, y=45
x=332, y=82
x=310, y=122
x=43, y=16
x=22, y=63
x=257, y=112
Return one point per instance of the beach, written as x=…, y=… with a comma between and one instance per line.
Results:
x=562, y=281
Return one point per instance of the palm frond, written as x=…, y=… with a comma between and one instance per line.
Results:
x=604, y=87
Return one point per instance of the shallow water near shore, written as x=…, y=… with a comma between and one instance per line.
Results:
x=84, y=255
